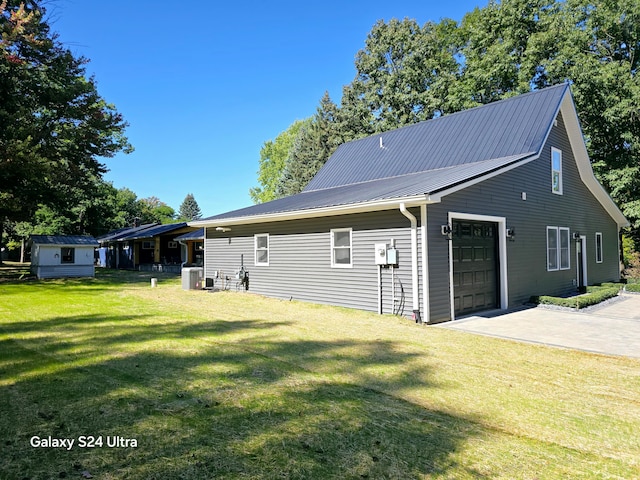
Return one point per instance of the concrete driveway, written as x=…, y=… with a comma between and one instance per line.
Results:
x=610, y=329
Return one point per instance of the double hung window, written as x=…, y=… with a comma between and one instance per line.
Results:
x=558, y=249
x=341, y=248
x=261, y=244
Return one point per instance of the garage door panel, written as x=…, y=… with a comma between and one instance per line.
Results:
x=474, y=266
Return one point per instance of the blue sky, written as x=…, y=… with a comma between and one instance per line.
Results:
x=204, y=84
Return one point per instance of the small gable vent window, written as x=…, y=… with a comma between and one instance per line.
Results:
x=341, y=248
x=67, y=255
x=556, y=171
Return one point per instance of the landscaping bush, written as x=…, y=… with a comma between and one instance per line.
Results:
x=633, y=287
x=593, y=296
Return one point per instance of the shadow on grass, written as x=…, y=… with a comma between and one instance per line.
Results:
x=201, y=406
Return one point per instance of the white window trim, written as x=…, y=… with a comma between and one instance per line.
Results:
x=599, y=248
x=559, y=266
x=256, y=249
x=72, y=254
x=553, y=170
x=342, y=265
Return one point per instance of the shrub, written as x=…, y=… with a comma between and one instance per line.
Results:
x=593, y=296
x=633, y=287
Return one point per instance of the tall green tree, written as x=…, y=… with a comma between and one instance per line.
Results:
x=515, y=45
x=403, y=74
x=153, y=210
x=311, y=149
x=55, y=125
x=273, y=158
x=189, y=209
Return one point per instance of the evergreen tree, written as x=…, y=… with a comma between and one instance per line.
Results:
x=313, y=146
x=189, y=210
x=54, y=125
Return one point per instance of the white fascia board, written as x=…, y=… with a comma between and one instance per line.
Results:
x=378, y=205
x=572, y=124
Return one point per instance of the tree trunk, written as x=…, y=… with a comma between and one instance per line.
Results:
x=1, y=235
x=22, y=245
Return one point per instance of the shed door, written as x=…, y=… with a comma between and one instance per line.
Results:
x=475, y=270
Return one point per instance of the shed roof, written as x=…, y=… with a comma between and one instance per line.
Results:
x=64, y=240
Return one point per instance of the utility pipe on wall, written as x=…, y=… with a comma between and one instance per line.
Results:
x=414, y=261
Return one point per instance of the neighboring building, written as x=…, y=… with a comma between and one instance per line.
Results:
x=54, y=256
x=476, y=210
x=193, y=242
x=115, y=250
x=147, y=247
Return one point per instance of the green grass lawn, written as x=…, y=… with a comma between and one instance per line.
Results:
x=235, y=386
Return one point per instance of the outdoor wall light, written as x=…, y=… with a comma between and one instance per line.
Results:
x=511, y=234
x=576, y=235
x=446, y=231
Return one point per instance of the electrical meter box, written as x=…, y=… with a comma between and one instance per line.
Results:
x=392, y=256
x=381, y=253
x=385, y=255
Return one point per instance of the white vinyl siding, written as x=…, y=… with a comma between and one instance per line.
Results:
x=341, y=248
x=558, y=249
x=261, y=249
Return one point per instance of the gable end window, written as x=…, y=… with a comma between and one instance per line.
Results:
x=341, y=248
x=558, y=249
x=67, y=255
x=556, y=171
x=261, y=245
x=598, y=247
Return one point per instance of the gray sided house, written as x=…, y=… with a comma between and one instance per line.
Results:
x=55, y=256
x=476, y=210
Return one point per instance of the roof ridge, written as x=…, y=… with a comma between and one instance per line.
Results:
x=464, y=111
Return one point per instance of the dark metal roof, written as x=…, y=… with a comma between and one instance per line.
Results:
x=64, y=240
x=402, y=186
x=425, y=158
x=509, y=127
x=120, y=233
x=195, y=235
x=154, y=231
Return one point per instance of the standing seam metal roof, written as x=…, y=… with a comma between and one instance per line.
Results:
x=496, y=130
x=427, y=157
x=62, y=240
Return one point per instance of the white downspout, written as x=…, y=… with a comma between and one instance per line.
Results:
x=414, y=262
x=426, y=310
x=186, y=253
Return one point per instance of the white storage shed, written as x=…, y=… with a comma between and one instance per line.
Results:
x=55, y=256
